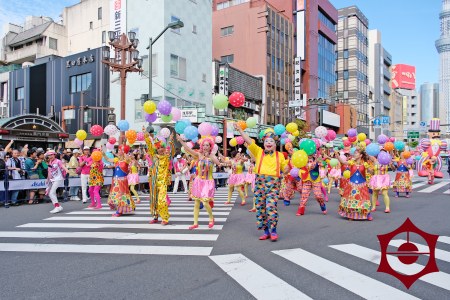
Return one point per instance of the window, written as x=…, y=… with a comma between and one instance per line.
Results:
x=204, y=77
x=103, y=37
x=99, y=13
x=194, y=29
x=227, y=58
x=138, y=113
x=345, y=74
x=80, y=83
x=53, y=43
x=20, y=92
x=227, y=31
x=177, y=67
x=175, y=19
x=91, y=25
x=345, y=53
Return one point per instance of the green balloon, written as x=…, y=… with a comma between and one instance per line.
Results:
x=295, y=149
x=166, y=118
x=261, y=134
x=251, y=122
x=220, y=101
x=309, y=146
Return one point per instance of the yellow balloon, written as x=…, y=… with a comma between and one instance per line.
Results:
x=362, y=137
x=345, y=138
x=346, y=174
x=299, y=159
x=291, y=127
x=268, y=130
x=233, y=142
x=424, y=154
x=296, y=133
x=149, y=107
x=362, y=144
x=81, y=135
x=116, y=160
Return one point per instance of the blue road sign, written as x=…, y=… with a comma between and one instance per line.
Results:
x=377, y=122
x=423, y=124
x=385, y=120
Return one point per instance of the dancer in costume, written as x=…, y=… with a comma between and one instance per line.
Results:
x=289, y=184
x=334, y=175
x=119, y=198
x=322, y=160
x=269, y=165
x=430, y=165
x=237, y=177
x=402, y=182
x=158, y=178
x=203, y=188
x=96, y=182
x=380, y=182
x=192, y=171
x=311, y=181
x=343, y=181
x=133, y=177
x=355, y=201
x=56, y=174
x=181, y=170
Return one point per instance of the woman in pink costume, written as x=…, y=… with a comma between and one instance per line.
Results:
x=380, y=182
x=237, y=177
x=203, y=187
x=133, y=177
x=96, y=182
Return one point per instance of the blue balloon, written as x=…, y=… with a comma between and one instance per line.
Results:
x=373, y=149
x=191, y=132
x=194, y=140
x=248, y=152
x=123, y=125
x=399, y=145
x=180, y=126
x=326, y=180
x=283, y=141
x=418, y=157
x=352, y=150
x=279, y=129
x=187, y=122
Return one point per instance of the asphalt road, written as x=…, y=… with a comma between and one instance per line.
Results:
x=234, y=266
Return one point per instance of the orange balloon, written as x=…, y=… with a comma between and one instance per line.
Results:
x=96, y=155
x=131, y=134
x=242, y=124
x=389, y=146
x=406, y=154
x=288, y=146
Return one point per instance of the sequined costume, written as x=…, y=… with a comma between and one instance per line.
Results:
x=402, y=182
x=119, y=196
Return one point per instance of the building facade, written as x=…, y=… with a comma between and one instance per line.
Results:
x=315, y=42
x=181, y=58
x=429, y=102
x=379, y=77
x=443, y=48
x=78, y=84
x=352, y=63
x=396, y=115
x=257, y=38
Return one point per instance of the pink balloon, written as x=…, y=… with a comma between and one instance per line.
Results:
x=240, y=140
x=317, y=141
x=176, y=114
x=96, y=130
x=140, y=136
x=367, y=141
x=343, y=157
x=78, y=142
x=331, y=135
x=392, y=139
x=109, y=146
x=204, y=129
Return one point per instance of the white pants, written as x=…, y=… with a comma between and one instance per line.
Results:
x=179, y=176
x=53, y=186
x=84, y=186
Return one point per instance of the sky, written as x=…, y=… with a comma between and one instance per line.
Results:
x=409, y=29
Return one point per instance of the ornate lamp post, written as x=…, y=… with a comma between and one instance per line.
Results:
x=126, y=59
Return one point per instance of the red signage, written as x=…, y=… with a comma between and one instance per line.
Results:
x=403, y=77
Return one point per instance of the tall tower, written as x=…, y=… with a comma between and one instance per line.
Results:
x=443, y=47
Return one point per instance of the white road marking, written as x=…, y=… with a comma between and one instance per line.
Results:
x=439, y=254
x=358, y=283
x=172, y=213
x=444, y=239
x=256, y=280
x=117, y=225
x=439, y=279
x=433, y=187
x=131, y=218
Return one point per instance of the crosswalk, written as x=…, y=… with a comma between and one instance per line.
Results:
x=441, y=186
x=249, y=275
x=95, y=231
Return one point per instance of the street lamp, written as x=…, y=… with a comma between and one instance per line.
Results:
x=126, y=59
x=173, y=25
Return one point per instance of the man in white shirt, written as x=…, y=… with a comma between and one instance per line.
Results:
x=180, y=173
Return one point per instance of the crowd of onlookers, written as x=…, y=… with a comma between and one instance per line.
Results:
x=31, y=163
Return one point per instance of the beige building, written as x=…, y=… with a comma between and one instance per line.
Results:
x=87, y=24
x=396, y=115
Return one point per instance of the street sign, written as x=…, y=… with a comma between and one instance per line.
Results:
x=377, y=123
x=413, y=134
x=296, y=103
x=423, y=124
x=385, y=120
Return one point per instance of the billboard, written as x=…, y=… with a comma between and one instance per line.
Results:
x=403, y=77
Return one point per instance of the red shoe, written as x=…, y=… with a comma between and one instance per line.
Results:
x=243, y=203
x=378, y=203
x=98, y=207
x=300, y=211
x=369, y=218
x=252, y=210
x=374, y=209
x=164, y=223
x=228, y=203
x=154, y=221
x=116, y=215
x=324, y=212
x=91, y=206
x=211, y=224
x=193, y=227
x=274, y=237
x=264, y=237
x=387, y=210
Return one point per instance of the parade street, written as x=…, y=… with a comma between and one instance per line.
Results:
x=317, y=256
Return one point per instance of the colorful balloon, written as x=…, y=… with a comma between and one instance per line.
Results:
x=237, y=99
x=299, y=159
x=149, y=107
x=406, y=154
x=191, y=132
x=164, y=107
x=362, y=137
x=346, y=174
x=214, y=130
x=399, y=145
x=96, y=130
x=331, y=135
x=176, y=114
x=251, y=122
x=166, y=118
x=81, y=135
x=112, y=140
x=389, y=146
x=240, y=140
x=180, y=126
x=291, y=127
x=111, y=130
x=279, y=129
x=242, y=125
x=382, y=139
x=123, y=125
x=220, y=101
x=96, y=155
x=165, y=132
x=368, y=142
x=373, y=149
x=352, y=132
x=233, y=142
x=321, y=132
x=218, y=139
x=334, y=162
x=140, y=136
x=205, y=129
x=151, y=117
x=78, y=142
x=309, y=146
x=384, y=158
x=294, y=172
x=296, y=133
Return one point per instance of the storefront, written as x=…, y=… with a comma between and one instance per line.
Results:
x=34, y=130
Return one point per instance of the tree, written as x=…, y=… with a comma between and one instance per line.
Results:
x=413, y=144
